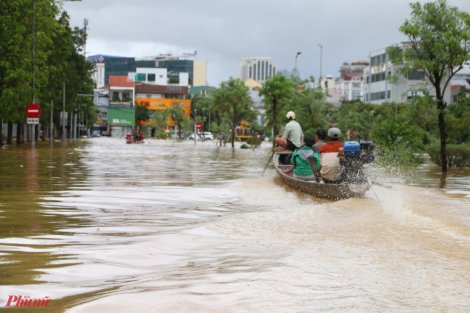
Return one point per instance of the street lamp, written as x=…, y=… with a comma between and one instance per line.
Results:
x=321, y=64
x=296, y=71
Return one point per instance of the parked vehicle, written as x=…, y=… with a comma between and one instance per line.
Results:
x=202, y=136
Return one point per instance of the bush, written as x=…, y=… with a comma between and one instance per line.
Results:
x=398, y=156
x=457, y=155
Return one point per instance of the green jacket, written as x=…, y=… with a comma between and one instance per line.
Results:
x=301, y=161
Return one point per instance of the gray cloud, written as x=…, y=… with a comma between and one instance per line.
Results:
x=223, y=31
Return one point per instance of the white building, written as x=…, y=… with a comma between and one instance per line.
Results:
x=98, y=76
x=349, y=86
x=259, y=69
x=158, y=76
x=385, y=83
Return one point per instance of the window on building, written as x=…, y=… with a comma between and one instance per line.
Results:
x=140, y=77
x=254, y=72
x=151, y=77
x=115, y=96
x=416, y=75
x=126, y=96
x=377, y=96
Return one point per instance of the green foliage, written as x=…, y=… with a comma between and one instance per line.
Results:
x=458, y=121
x=357, y=116
x=311, y=109
x=160, y=118
x=276, y=93
x=141, y=113
x=439, y=44
x=177, y=114
x=399, y=156
x=395, y=54
x=58, y=60
x=233, y=100
x=439, y=36
x=457, y=155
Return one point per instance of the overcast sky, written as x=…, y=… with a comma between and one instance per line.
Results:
x=223, y=31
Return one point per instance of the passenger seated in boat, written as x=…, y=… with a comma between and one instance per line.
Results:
x=138, y=136
x=306, y=162
x=320, y=138
x=331, y=153
x=292, y=136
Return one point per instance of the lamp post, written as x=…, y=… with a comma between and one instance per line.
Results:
x=321, y=64
x=296, y=71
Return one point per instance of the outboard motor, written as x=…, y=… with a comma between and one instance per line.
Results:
x=357, y=153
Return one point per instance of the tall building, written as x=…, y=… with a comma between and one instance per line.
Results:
x=259, y=69
x=384, y=81
x=113, y=66
x=349, y=86
x=196, y=69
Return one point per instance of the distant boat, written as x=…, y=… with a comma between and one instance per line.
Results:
x=320, y=189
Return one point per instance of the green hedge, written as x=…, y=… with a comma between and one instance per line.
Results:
x=457, y=155
x=398, y=156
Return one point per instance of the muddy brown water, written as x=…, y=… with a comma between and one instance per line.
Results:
x=101, y=226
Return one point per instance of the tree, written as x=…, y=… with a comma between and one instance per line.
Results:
x=177, y=114
x=234, y=100
x=276, y=92
x=439, y=36
x=160, y=119
x=310, y=109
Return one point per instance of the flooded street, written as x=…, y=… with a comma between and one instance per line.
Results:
x=101, y=226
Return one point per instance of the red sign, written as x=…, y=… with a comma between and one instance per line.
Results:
x=198, y=125
x=33, y=111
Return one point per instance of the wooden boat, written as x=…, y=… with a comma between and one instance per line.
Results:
x=319, y=189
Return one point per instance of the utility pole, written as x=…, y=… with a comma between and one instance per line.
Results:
x=296, y=71
x=51, y=133
x=321, y=64
x=64, y=119
x=195, y=123
x=33, y=126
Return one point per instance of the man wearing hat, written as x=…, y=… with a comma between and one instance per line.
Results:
x=330, y=155
x=292, y=137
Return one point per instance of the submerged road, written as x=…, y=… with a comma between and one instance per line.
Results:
x=101, y=226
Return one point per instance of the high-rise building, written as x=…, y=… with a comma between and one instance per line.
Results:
x=385, y=82
x=259, y=69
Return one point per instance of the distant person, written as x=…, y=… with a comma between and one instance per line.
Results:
x=292, y=137
x=306, y=162
x=221, y=139
x=320, y=137
x=138, y=136
x=330, y=155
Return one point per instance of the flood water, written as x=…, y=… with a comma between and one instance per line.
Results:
x=101, y=226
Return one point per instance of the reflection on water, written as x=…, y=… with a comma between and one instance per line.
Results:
x=102, y=226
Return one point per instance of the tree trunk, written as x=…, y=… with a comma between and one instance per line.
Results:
x=233, y=135
x=19, y=133
x=10, y=133
x=1, y=129
x=443, y=135
x=274, y=124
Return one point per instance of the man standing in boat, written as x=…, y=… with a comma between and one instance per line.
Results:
x=292, y=137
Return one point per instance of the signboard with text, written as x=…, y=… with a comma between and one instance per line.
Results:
x=32, y=120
